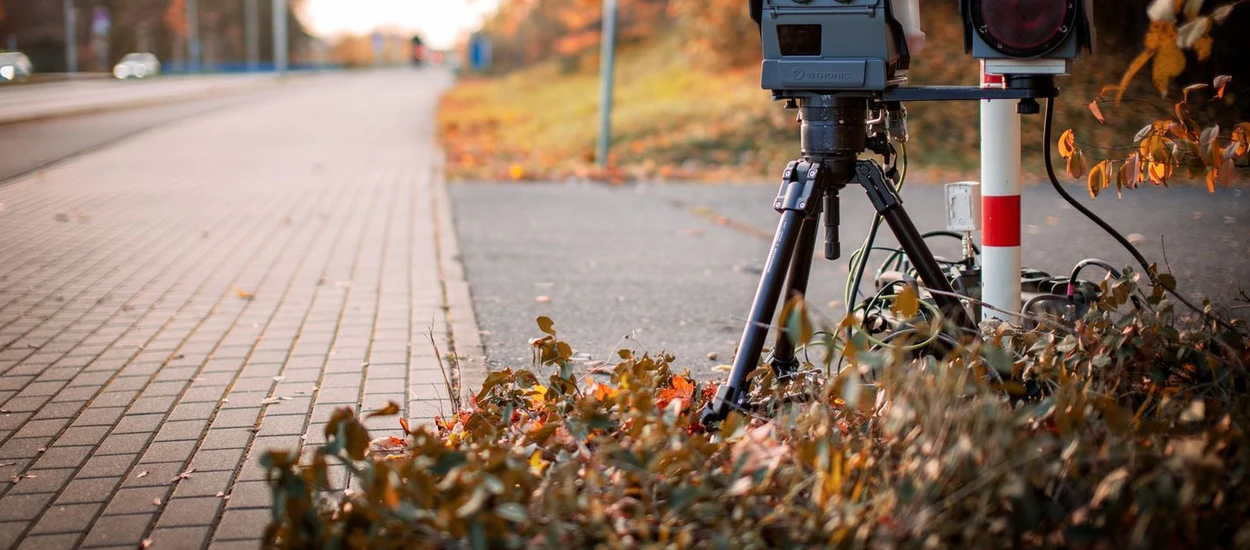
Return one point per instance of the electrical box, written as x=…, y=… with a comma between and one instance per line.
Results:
x=963, y=206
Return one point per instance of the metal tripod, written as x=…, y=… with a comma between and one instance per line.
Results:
x=834, y=133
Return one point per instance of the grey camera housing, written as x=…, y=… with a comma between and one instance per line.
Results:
x=831, y=45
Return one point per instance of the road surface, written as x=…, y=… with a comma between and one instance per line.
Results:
x=651, y=262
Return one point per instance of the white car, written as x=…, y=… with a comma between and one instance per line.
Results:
x=14, y=67
x=137, y=65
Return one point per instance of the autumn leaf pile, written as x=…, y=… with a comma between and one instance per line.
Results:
x=1126, y=429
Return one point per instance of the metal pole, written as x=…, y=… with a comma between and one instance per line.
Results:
x=193, y=36
x=279, y=36
x=1000, y=203
x=71, y=38
x=607, y=64
x=252, y=31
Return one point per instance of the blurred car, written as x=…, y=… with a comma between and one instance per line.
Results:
x=14, y=67
x=137, y=65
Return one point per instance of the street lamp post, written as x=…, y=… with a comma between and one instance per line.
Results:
x=193, y=36
x=71, y=38
x=252, y=30
x=607, y=65
x=279, y=36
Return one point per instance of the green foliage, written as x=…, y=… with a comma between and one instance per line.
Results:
x=1134, y=435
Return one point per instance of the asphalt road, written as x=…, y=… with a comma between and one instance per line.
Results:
x=32, y=145
x=650, y=268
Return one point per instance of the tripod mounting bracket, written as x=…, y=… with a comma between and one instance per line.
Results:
x=799, y=185
x=871, y=177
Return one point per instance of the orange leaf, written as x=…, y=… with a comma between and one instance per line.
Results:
x=1203, y=47
x=1097, y=179
x=516, y=172
x=1094, y=108
x=1169, y=63
x=1076, y=164
x=1220, y=82
x=1132, y=71
x=603, y=392
x=1193, y=88
x=1067, y=144
x=1212, y=174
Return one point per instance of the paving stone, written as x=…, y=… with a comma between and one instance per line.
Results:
x=204, y=484
x=42, y=428
x=67, y=541
x=242, y=524
x=63, y=457
x=168, y=451
x=236, y=418
x=251, y=494
x=89, y=490
x=99, y=416
x=83, y=435
x=188, y=512
x=43, y=481
x=217, y=459
x=136, y=423
x=24, y=507
x=226, y=438
x=192, y=411
x=106, y=466
x=182, y=430
x=117, y=444
x=125, y=530
x=155, y=474
x=66, y=518
x=147, y=404
x=136, y=500
x=178, y=537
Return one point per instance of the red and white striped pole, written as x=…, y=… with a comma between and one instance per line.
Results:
x=1000, y=203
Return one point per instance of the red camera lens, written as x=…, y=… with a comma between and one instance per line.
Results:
x=1024, y=28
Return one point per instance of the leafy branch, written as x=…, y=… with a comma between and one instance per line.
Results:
x=1176, y=142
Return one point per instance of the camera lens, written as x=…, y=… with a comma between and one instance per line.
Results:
x=1024, y=28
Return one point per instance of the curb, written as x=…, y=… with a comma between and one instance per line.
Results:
x=207, y=93
x=466, y=338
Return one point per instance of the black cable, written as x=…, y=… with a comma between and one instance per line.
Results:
x=1047, y=127
x=1088, y=262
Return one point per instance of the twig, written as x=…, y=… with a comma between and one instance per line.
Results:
x=451, y=390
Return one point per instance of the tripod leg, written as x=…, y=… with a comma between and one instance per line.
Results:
x=762, y=310
x=927, y=267
x=784, y=362
x=885, y=199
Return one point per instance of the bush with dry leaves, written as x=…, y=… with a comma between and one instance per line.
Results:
x=1125, y=429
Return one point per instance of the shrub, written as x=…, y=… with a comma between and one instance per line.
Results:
x=1123, y=430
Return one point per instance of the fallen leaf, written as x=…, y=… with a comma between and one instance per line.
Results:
x=712, y=356
x=220, y=494
x=244, y=294
x=391, y=409
x=543, y=299
x=142, y=475
x=270, y=401
x=156, y=501
x=182, y=476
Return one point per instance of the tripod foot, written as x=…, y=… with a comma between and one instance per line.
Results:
x=785, y=368
x=727, y=398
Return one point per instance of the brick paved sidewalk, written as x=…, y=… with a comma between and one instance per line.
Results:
x=187, y=299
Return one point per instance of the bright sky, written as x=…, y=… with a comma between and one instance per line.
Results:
x=439, y=22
